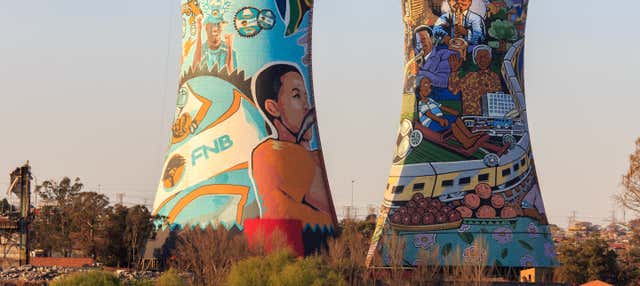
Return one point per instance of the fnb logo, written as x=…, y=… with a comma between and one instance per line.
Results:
x=219, y=145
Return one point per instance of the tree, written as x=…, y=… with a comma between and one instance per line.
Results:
x=139, y=226
x=87, y=211
x=630, y=197
x=503, y=31
x=589, y=260
x=53, y=226
x=114, y=252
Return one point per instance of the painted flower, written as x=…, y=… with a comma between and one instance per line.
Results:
x=464, y=228
x=472, y=255
x=528, y=261
x=424, y=241
x=503, y=235
x=550, y=250
x=532, y=229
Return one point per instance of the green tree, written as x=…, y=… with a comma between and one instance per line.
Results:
x=503, y=31
x=139, y=227
x=114, y=252
x=589, y=260
x=54, y=225
x=87, y=211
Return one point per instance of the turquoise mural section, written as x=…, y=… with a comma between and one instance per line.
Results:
x=463, y=188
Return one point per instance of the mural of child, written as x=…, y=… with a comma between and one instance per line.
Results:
x=215, y=51
x=476, y=84
x=287, y=174
x=432, y=115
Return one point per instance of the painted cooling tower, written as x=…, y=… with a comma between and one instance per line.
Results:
x=463, y=186
x=245, y=151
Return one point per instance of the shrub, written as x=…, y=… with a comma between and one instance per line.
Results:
x=208, y=253
x=93, y=278
x=170, y=278
x=281, y=268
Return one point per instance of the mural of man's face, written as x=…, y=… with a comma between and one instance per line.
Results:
x=292, y=105
x=460, y=5
x=214, y=35
x=483, y=59
x=425, y=40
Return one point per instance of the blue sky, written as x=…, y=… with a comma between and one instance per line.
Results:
x=88, y=90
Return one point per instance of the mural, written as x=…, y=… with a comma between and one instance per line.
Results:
x=463, y=172
x=245, y=152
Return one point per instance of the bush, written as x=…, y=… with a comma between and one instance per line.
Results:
x=170, y=278
x=93, y=278
x=281, y=268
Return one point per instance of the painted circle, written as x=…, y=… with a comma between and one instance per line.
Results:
x=174, y=171
x=509, y=140
x=266, y=19
x=416, y=138
x=491, y=160
x=246, y=22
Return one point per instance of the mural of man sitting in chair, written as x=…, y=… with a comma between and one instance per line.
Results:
x=439, y=118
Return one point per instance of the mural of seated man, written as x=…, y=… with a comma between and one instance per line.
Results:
x=478, y=83
x=289, y=176
x=439, y=118
x=433, y=62
x=463, y=19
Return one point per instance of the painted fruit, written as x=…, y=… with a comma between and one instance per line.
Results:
x=508, y=212
x=484, y=191
x=406, y=219
x=411, y=204
x=441, y=217
x=435, y=204
x=417, y=197
x=472, y=201
x=454, y=216
x=402, y=210
x=423, y=204
x=446, y=210
x=497, y=201
x=486, y=212
x=428, y=219
x=465, y=212
x=420, y=211
x=396, y=218
x=416, y=219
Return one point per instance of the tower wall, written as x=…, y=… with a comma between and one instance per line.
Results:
x=244, y=150
x=463, y=187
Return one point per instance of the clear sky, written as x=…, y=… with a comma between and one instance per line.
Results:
x=88, y=90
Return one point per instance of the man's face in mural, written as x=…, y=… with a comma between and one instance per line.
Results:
x=214, y=35
x=425, y=88
x=460, y=5
x=425, y=40
x=292, y=105
x=483, y=59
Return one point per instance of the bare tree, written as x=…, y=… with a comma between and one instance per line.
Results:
x=630, y=197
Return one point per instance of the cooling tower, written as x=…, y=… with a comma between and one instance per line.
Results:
x=245, y=152
x=463, y=188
